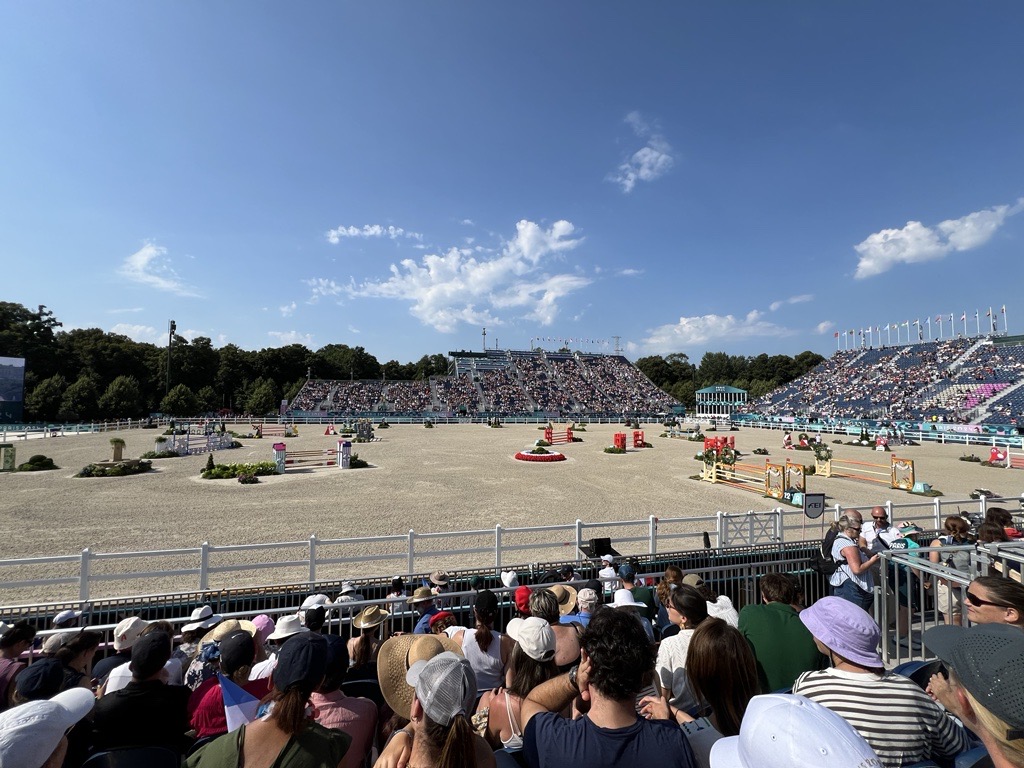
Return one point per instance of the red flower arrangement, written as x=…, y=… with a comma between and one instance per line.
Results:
x=550, y=456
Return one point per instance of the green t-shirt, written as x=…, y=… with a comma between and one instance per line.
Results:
x=314, y=747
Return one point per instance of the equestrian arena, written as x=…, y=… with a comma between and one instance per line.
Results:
x=449, y=478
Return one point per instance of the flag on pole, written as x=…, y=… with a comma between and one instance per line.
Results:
x=240, y=706
x=989, y=313
x=963, y=318
x=836, y=334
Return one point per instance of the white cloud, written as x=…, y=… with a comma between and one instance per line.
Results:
x=126, y=311
x=459, y=287
x=284, y=338
x=353, y=329
x=648, y=163
x=917, y=243
x=150, y=266
x=288, y=309
x=824, y=326
x=140, y=333
x=371, y=230
x=691, y=331
x=801, y=299
x=630, y=272
x=322, y=287
x=222, y=339
x=468, y=223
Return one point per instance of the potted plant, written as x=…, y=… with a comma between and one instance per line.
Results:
x=118, y=445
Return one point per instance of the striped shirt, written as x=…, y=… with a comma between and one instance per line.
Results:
x=898, y=719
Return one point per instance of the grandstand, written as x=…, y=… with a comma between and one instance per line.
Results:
x=977, y=380
x=498, y=383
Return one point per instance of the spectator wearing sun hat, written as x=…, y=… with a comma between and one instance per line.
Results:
x=422, y=601
x=587, y=600
x=914, y=728
x=623, y=600
x=786, y=731
x=985, y=684
x=125, y=635
x=627, y=572
x=67, y=618
x=205, y=664
x=286, y=627
x=362, y=648
x=33, y=735
x=201, y=621
x=147, y=711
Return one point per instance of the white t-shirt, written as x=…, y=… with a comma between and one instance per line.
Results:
x=723, y=609
x=671, y=670
x=121, y=675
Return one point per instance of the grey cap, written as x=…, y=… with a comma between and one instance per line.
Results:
x=445, y=686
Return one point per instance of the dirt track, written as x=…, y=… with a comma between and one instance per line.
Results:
x=449, y=478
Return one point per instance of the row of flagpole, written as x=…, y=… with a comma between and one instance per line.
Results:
x=869, y=337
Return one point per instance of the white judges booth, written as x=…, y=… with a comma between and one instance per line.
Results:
x=718, y=403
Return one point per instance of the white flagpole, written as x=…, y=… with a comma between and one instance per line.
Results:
x=928, y=322
x=940, y=327
x=1005, y=327
x=977, y=322
x=964, y=318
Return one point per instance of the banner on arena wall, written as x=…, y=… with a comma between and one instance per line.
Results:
x=284, y=406
x=12, y=389
x=939, y=426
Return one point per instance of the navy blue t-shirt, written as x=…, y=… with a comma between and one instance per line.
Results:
x=551, y=741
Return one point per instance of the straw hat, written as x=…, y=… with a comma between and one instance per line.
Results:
x=395, y=657
x=370, y=616
x=440, y=578
x=566, y=597
x=228, y=626
x=421, y=595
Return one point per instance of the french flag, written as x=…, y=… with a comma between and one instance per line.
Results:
x=240, y=706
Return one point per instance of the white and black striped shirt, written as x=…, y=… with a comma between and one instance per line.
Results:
x=898, y=719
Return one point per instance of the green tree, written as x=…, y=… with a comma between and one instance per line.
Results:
x=43, y=402
x=292, y=390
x=264, y=398
x=80, y=401
x=122, y=399
x=28, y=334
x=208, y=399
x=180, y=401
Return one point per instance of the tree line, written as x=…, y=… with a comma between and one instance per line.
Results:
x=89, y=374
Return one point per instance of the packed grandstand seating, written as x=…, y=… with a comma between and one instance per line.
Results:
x=962, y=380
x=500, y=382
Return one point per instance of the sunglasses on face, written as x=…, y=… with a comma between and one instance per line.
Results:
x=977, y=601
x=879, y=517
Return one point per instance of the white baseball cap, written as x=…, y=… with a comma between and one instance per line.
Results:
x=30, y=733
x=786, y=731
x=534, y=636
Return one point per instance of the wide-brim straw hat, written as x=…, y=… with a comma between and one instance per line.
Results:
x=395, y=657
x=566, y=597
x=421, y=595
x=370, y=616
x=440, y=578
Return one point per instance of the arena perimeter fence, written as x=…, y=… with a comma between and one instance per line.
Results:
x=10, y=432
x=731, y=554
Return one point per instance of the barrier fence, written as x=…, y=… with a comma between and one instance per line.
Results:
x=208, y=566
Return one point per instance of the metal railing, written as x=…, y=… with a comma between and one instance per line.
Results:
x=214, y=566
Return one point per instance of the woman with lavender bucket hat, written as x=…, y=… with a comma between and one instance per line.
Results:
x=898, y=719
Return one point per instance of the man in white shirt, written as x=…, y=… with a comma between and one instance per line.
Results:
x=878, y=538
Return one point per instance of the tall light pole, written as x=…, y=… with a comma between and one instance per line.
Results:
x=170, y=338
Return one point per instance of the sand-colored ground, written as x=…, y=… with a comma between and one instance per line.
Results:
x=450, y=478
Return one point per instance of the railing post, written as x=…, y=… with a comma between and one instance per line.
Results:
x=497, y=548
x=938, y=514
x=83, y=575
x=888, y=511
x=579, y=537
x=983, y=504
x=652, y=536
x=204, y=566
x=720, y=529
x=778, y=513
x=410, y=564
x=312, y=560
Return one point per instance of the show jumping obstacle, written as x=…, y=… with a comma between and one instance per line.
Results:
x=275, y=430
x=899, y=473
x=326, y=457
x=559, y=437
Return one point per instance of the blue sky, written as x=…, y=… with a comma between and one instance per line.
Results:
x=740, y=176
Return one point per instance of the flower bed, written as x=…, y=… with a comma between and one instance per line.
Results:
x=549, y=456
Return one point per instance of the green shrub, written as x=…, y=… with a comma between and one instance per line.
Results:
x=247, y=478
x=230, y=471
x=121, y=469
x=540, y=450
x=613, y=449
x=37, y=463
x=210, y=464
x=971, y=458
x=383, y=425
x=428, y=424
x=354, y=462
x=542, y=443
x=760, y=451
x=159, y=455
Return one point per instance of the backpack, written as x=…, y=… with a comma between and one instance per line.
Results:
x=822, y=561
